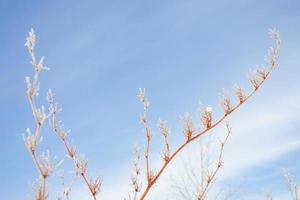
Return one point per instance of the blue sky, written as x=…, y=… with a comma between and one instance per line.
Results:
x=101, y=52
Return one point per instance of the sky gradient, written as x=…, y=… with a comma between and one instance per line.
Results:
x=183, y=52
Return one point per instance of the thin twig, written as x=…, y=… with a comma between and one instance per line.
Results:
x=71, y=151
x=211, y=177
x=272, y=59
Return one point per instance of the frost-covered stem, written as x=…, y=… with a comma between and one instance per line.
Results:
x=44, y=177
x=273, y=56
x=38, y=114
x=211, y=177
x=165, y=132
x=167, y=146
x=44, y=182
x=31, y=98
x=44, y=172
x=163, y=167
x=147, y=161
x=144, y=121
x=148, y=139
x=37, y=163
x=63, y=137
x=89, y=186
x=135, y=183
x=33, y=107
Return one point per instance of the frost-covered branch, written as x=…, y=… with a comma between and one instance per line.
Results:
x=256, y=79
x=43, y=163
x=79, y=161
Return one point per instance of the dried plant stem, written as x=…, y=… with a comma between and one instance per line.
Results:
x=210, y=178
x=258, y=82
x=43, y=162
x=147, y=152
x=88, y=184
x=144, y=121
x=135, y=183
x=71, y=153
x=39, y=123
x=44, y=186
x=42, y=190
x=147, y=161
x=166, y=163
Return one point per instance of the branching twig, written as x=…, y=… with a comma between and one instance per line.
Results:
x=80, y=163
x=256, y=80
x=43, y=162
x=211, y=177
x=144, y=121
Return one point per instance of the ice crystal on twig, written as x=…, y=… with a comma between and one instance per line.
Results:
x=81, y=164
x=30, y=41
x=226, y=103
x=206, y=116
x=240, y=93
x=164, y=130
x=188, y=127
x=31, y=140
x=46, y=164
x=39, y=190
x=95, y=186
x=135, y=176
